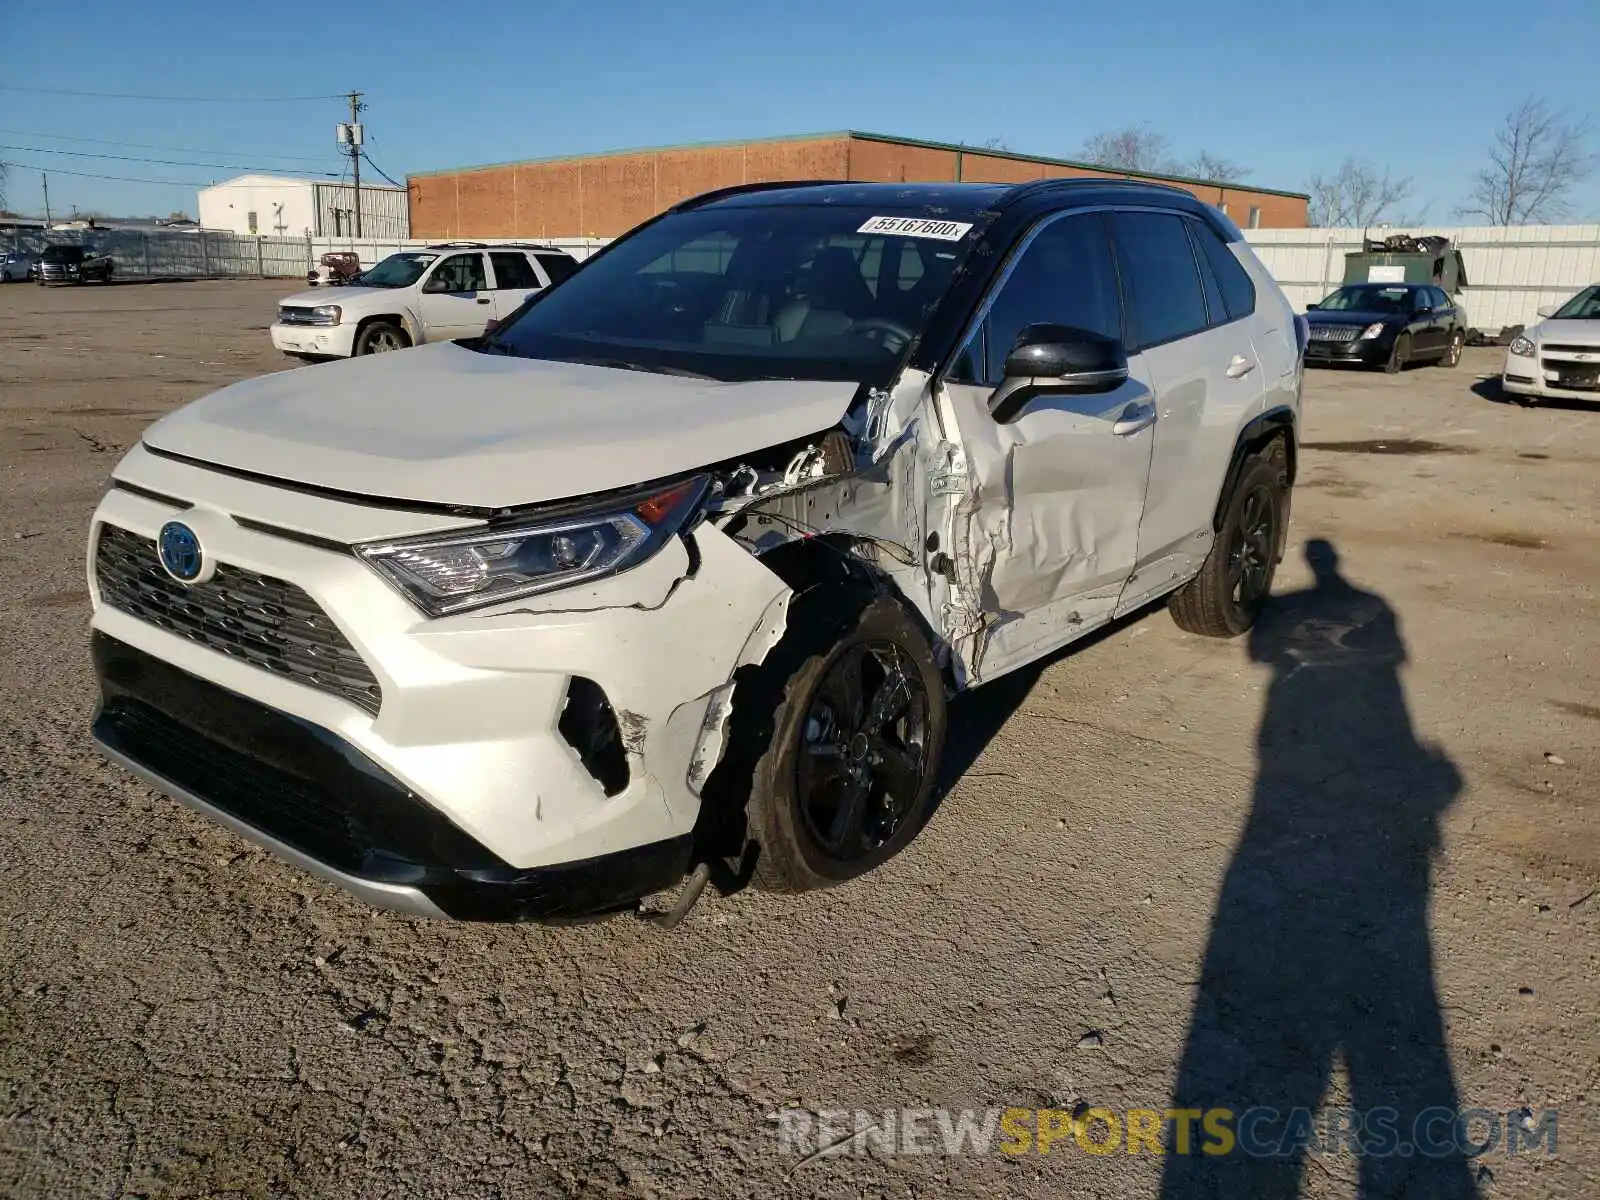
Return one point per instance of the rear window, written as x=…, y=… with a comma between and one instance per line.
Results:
x=557, y=266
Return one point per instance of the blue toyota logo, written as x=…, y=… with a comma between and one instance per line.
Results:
x=179, y=551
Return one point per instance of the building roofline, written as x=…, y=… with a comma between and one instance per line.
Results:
x=860, y=135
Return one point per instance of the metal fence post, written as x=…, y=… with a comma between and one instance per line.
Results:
x=261, y=269
x=147, y=256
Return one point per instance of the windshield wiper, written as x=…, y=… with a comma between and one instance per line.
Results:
x=627, y=364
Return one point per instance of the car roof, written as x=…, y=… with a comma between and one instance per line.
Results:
x=948, y=200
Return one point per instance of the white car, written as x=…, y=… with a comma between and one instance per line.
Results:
x=16, y=266
x=1559, y=358
x=675, y=571
x=435, y=295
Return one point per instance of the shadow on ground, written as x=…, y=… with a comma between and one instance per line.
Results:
x=1319, y=956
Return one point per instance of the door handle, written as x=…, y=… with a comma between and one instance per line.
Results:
x=483, y=299
x=1240, y=366
x=1134, y=418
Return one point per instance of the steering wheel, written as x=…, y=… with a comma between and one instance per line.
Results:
x=891, y=334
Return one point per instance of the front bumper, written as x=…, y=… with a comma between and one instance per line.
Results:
x=471, y=727
x=332, y=341
x=1366, y=352
x=1542, y=377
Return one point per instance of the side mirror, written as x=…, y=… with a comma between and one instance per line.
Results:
x=1549, y=310
x=436, y=285
x=1058, y=359
x=1312, y=307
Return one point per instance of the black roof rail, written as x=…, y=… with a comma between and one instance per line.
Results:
x=458, y=245
x=1023, y=190
x=740, y=189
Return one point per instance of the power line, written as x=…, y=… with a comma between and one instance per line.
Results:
x=92, y=175
x=162, y=162
x=62, y=137
x=379, y=169
x=10, y=87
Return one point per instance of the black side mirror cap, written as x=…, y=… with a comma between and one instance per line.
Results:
x=1312, y=307
x=1058, y=359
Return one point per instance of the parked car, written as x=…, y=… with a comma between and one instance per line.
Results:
x=74, y=264
x=1387, y=325
x=439, y=294
x=16, y=266
x=334, y=269
x=1558, y=358
x=679, y=566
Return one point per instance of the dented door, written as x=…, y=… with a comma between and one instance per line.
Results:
x=1051, y=528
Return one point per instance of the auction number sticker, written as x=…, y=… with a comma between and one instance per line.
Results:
x=944, y=231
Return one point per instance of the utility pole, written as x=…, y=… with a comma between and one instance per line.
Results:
x=356, y=139
x=46, y=179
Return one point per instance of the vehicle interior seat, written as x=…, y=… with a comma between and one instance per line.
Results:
x=828, y=300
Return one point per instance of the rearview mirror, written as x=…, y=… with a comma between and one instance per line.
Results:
x=1058, y=359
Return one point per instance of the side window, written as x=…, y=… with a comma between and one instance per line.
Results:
x=1158, y=269
x=1066, y=276
x=513, y=270
x=1216, y=309
x=1255, y=217
x=459, y=273
x=557, y=266
x=1238, y=289
x=1440, y=300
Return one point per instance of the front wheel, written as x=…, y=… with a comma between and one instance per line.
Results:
x=856, y=736
x=380, y=337
x=1226, y=597
x=1452, y=351
x=1399, y=355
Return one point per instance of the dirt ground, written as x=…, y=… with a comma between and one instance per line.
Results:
x=1353, y=857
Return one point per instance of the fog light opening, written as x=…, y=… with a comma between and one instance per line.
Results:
x=589, y=725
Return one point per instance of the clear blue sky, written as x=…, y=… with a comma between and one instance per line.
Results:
x=1286, y=89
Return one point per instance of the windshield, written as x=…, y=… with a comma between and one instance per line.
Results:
x=1585, y=306
x=1370, y=298
x=768, y=292
x=397, y=271
x=63, y=254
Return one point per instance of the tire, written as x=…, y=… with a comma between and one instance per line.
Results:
x=1399, y=355
x=818, y=817
x=1236, y=579
x=379, y=337
x=1452, y=350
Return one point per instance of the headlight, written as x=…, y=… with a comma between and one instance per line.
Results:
x=1371, y=331
x=1521, y=346
x=455, y=572
x=327, y=314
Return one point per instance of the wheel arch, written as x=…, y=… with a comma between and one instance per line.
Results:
x=401, y=320
x=1258, y=433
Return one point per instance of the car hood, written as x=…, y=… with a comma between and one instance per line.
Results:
x=1573, y=333
x=336, y=295
x=444, y=425
x=1321, y=317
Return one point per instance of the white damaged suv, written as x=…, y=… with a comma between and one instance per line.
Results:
x=445, y=292
x=674, y=573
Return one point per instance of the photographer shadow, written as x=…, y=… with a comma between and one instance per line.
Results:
x=1319, y=953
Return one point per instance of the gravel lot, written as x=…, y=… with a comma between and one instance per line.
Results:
x=1170, y=867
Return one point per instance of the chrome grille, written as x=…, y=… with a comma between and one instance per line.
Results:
x=291, y=314
x=1549, y=347
x=267, y=622
x=1334, y=333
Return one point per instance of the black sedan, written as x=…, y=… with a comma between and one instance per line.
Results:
x=1387, y=324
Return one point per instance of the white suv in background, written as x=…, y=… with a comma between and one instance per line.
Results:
x=674, y=571
x=439, y=294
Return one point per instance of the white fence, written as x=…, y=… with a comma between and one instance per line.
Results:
x=1512, y=272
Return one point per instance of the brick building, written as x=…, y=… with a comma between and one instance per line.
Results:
x=603, y=195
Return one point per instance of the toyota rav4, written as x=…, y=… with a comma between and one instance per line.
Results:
x=674, y=573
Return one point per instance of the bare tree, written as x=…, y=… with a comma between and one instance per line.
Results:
x=1536, y=158
x=995, y=143
x=1134, y=148
x=1140, y=148
x=1354, y=196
